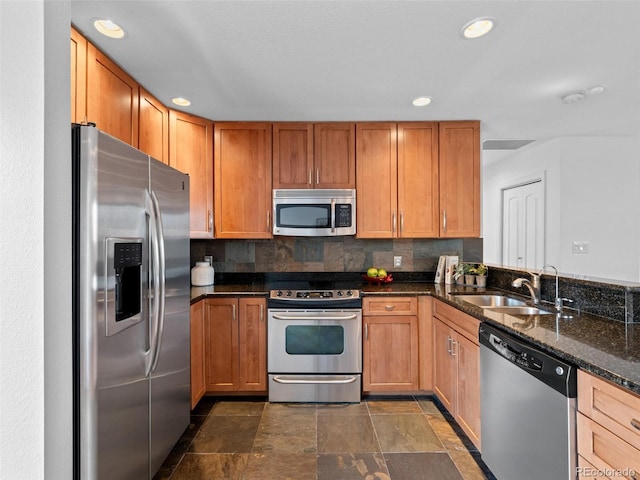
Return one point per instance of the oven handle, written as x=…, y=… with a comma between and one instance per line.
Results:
x=293, y=317
x=279, y=379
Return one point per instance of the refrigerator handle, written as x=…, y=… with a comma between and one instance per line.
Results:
x=153, y=274
x=160, y=280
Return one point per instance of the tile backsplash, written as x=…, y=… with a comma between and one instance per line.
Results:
x=331, y=254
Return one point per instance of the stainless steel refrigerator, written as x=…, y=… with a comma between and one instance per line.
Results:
x=131, y=308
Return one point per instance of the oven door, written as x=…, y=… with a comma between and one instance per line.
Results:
x=314, y=341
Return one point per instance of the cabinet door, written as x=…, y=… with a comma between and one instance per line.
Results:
x=198, y=378
x=242, y=173
x=376, y=178
x=334, y=155
x=221, y=337
x=153, y=131
x=191, y=152
x=468, y=397
x=253, y=344
x=459, y=179
x=293, y=155
x=78, y=77
x=444, y=372
x=112, y=97
x=418, y=192
x=390, y=353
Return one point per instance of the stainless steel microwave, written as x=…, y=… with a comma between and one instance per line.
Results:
x=314, y=212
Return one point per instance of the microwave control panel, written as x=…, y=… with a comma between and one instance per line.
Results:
x=343, y=214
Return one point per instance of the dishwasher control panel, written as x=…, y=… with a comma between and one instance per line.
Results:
x=553, y=371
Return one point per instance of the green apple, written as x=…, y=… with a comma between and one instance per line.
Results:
x=372, y=272
x=382, y=273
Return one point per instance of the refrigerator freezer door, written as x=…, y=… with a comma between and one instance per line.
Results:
x=112, y=408
x=170, y=375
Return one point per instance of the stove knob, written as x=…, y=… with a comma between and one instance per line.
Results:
x=279, y=293
x=349, y=293
x=289, y=293
x=339, y=293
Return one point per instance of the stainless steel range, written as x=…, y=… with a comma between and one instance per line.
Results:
x=315, y=345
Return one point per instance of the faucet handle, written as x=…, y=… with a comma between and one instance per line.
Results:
x=560, y=302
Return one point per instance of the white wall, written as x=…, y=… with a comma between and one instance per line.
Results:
x=592, y=195
x=35, y=285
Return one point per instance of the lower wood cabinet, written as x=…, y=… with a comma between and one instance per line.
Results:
x=390, y=344
x=456, y=363
x=608, y=426
x=235, y=333
x=198, y=377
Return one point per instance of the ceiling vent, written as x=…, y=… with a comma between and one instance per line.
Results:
x=504, y=144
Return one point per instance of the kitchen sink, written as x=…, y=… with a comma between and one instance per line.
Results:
x=522, y=310
x=492, y=301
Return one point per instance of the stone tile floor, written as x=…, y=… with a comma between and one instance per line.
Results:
x=408, y=438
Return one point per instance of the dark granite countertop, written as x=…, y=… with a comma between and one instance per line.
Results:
x=608, y=348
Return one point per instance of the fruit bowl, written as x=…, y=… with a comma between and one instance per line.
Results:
x=377, y=280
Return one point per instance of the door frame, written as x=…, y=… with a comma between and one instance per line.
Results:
x=534, y=177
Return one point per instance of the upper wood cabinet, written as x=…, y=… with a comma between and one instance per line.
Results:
x=408, y=172
x=376, y=180
x=191, y=152
x=320, y=155
x=112, y=97
x=242, y=173
x=397, y=172
x=459, y=179
x=153, y=134
x=78, y=77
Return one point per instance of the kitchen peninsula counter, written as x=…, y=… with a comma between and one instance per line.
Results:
x=608, y=348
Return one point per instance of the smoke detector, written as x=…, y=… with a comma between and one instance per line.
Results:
x=573, y=97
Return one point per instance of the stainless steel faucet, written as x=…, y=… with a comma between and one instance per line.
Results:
x=559, y=301
x=533, y=285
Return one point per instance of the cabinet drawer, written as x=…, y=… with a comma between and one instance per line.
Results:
x=606, y=451
x=390, y=306
x=612, y=407
x=586, y=471
x=463, y=323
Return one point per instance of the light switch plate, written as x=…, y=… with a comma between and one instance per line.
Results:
x=397, y=262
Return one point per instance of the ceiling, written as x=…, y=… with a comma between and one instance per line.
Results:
x=335, y=60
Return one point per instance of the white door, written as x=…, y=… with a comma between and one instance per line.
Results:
x=523, y=226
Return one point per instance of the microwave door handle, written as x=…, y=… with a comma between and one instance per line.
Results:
x=333, y=215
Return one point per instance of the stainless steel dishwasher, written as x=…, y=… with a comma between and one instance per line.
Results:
x=528, y=402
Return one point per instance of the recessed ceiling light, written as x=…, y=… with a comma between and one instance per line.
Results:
x=108, y=28
x=183, y=102
x=422, y=101
x=478, y=27
x=573, y=97
x=596, y=90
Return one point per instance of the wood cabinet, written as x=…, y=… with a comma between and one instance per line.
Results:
x=153, y=127
x=242, y=173
x=236, y=344
x=459, y=164
x=112, y=97
x=78, y=77
x=390, y=344
x=397, y=180
x=456, y=359
x=198, y=378
x=608, y=426
x=307, y=155
x=191, y=152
